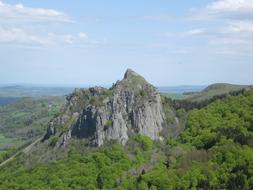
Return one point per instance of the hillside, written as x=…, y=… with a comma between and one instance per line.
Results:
x=214, y=90
x=26, y=119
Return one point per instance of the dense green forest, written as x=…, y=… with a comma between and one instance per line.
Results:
x=214, y=151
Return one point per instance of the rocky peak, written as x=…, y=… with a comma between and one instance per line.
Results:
x=131, y=106
x=130, y=73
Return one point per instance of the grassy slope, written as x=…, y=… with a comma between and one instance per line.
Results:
x=207, y=93
x=215, y=90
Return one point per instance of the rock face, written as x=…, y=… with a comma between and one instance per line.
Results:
x=131, y=106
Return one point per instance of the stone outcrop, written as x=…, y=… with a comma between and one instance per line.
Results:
x=131, y=106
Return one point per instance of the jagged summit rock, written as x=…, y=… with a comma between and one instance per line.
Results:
x=129, y=73
x=131, y=106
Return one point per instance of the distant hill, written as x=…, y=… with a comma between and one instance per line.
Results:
x=179, y=92
x=11, y=94
x=180, y=89
x=33, y=91
x=215, y=90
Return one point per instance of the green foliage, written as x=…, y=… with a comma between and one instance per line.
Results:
x=108, y=93
x=5, y=141
x=133, y=81
x=145, y=142
x=174, y=96
x=68, y=124
x=98, y=100
x=6, y=154
x=214, y=152
x=109, y=123
x=180, y=113
x=93, y=100
x=231, y=119
x=101, y=169
x=53, y=140
x=143, y=93
x=167, y=108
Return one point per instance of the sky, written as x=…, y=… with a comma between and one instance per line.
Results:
x=93, y=42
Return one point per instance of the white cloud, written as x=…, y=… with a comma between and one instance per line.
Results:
x=226, y=10
x=20, y=36
x=231, y=6
x=19, y=12
x=230, y=26
x=196, y=31
x=231, y=10
x=82, y=35
x=229, y=41
x=237, y=15
x=26, y=26
x=69, y=39
x=241, y=26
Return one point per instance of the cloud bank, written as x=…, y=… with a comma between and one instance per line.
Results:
x=21, y=13
x=27, y=26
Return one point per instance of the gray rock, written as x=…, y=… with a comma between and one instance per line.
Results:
x=97, y=114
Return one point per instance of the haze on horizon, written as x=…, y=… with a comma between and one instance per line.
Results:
x=93, y=42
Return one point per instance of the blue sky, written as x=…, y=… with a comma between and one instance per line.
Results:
x=93, y=42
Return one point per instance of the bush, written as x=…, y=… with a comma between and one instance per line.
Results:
x=145, y=142
x=53, y=140
x=143, y=93
x=109, y=123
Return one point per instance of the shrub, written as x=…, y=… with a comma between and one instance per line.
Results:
x=92, y=100
x=53, y=140
x=108, y=124
x=145, y=142
x=143, y=93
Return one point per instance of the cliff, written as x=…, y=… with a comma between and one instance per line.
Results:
x=131, y=106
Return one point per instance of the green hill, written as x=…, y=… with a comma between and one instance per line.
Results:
x=215, y=90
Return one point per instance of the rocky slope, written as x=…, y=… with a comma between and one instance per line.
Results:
x=131, y=106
